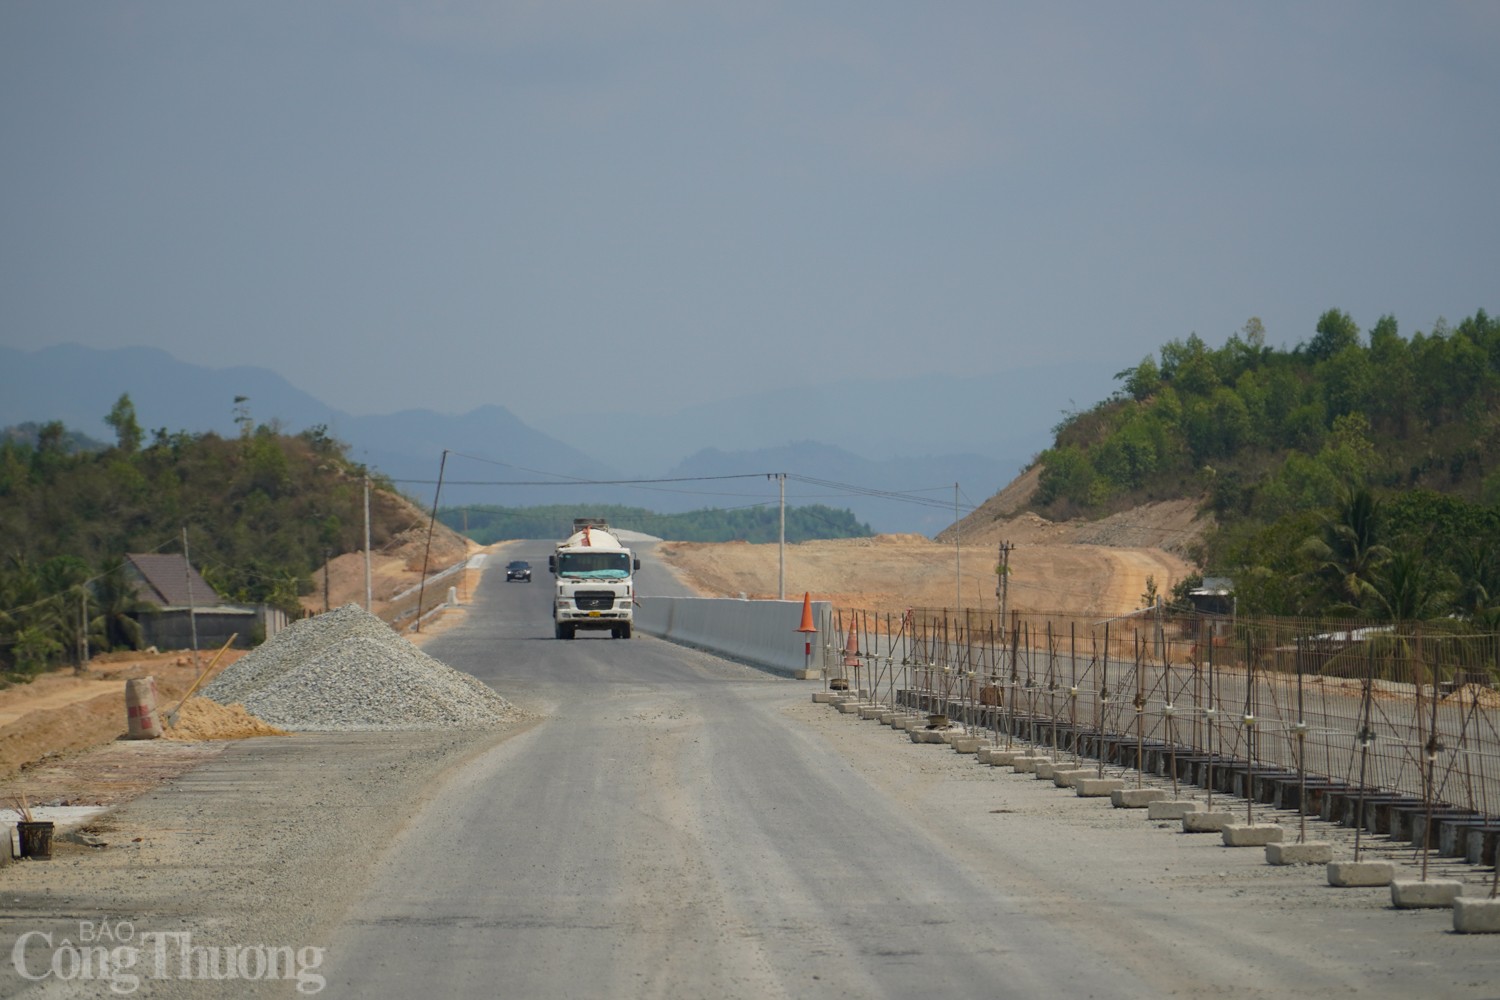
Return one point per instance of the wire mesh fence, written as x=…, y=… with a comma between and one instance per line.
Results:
x=1407, y=709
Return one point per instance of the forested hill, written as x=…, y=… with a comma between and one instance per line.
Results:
x=261, y=510
x=1357, y=473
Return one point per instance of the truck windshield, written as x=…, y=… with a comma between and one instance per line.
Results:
x=594, y=565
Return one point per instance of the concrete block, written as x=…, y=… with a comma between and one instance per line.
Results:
x=850, y=707
x=1252, y=835
x=887, y=717
x=927, y=736
x=1098, y=788
x=1435, y=894
x=1136, y=798
x=1172, y=808
x=1313, y=852
x=1474, y=915
x=813, y=674
x=1003, y=757
x=870, y=711
x=1067, y=777
x=824, y=697
x=1206, y=822
x=967, y=744
x=1352, y=874
x=1045, y=768
x=1028, y=765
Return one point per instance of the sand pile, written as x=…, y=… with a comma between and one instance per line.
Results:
x=205, y=719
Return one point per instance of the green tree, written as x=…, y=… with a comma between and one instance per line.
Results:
x=1335, y=332
x=1346, y=554
x=127, y=429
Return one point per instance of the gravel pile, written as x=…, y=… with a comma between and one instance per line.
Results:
x=346, y=671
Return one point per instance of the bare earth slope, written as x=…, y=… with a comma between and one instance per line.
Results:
x=1091, y=568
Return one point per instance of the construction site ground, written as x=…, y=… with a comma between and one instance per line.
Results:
x=46, y=723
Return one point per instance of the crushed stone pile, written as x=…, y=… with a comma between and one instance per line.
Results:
x=347, y=671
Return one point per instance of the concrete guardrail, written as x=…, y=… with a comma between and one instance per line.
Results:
x=762, y=633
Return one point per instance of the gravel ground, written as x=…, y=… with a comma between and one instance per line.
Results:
x=347, y=671
x=265, y=844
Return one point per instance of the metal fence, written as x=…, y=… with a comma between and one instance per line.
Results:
x=1403, y=709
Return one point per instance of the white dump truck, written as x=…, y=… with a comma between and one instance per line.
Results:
x=595, y=581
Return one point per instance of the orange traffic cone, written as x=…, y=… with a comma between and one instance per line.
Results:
x=851, y=650
x=807, y=622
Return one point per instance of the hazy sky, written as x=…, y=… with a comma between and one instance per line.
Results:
x=634, y=205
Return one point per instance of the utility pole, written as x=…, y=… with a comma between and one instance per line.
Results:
x=187, y=572
x=369, y=589
x=1002, y=586
x=958, y=577
x=780, y=478
x=781, y=552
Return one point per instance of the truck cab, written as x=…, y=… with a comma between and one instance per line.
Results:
x=595, y=582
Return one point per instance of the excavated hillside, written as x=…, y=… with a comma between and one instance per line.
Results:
x=1088, y=568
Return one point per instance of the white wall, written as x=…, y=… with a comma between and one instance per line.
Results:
x=760, y=632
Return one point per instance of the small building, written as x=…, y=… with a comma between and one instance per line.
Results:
x=1214, y=596
x=185, y=603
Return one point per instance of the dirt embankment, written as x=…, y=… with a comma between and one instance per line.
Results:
x=63, y=713
x=398, y=552
x=1091, y=568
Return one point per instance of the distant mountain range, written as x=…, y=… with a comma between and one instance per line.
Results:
x=916, y=435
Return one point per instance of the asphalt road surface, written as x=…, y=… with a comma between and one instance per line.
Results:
x=681, y=826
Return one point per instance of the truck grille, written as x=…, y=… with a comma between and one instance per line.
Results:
x=594, y=600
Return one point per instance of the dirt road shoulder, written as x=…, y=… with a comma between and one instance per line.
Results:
x=263, y=845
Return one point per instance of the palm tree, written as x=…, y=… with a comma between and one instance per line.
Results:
x=1408, y=589
x=1346, y=553
x=116, y=625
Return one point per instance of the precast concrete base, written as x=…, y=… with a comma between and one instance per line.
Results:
x=987, y=755
x=1045, y=769
x=1206, y=822
x=1067, y=777
x=1098, y=788
x=824, y=697
x=1437, y=894
x=1136, y=798
x=870, y=711
x=850, y=707
x=887, y=717
x=1028, y=765
x=1476, y=916
x=1172, y=808
x=1360, y=874
x=1006, y=757
x=968, y=744
x=808, y=675
x=1252, y=835
x=1312, y=852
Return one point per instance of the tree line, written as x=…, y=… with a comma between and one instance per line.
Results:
x=1356, y=474
x=262, y=511
x=486, y=524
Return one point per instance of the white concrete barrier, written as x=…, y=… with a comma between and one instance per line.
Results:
x=763, y=633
